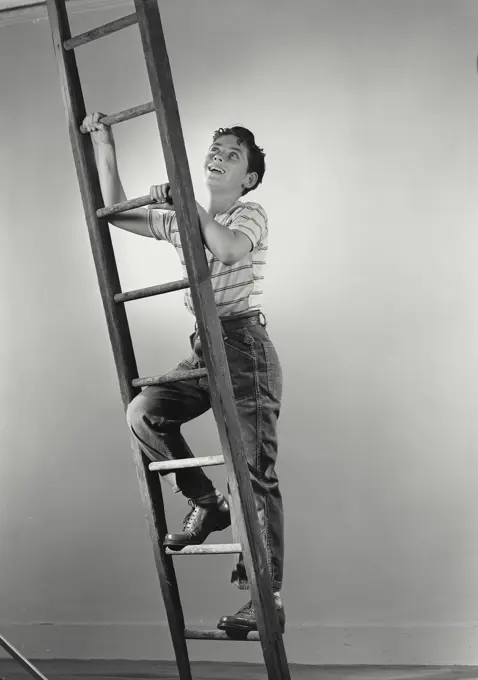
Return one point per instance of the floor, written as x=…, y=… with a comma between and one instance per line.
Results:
x=150, y=670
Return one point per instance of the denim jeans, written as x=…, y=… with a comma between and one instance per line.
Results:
x=156, y=414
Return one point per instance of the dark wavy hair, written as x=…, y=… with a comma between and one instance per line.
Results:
x=255, y=155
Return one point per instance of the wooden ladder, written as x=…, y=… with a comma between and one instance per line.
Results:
x=243, y=509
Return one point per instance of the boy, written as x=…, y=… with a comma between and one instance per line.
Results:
x=235, y=235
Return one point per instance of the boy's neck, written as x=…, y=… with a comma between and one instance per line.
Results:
x=219, y=203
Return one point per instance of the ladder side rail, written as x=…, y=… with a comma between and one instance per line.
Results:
x=103, y=254
x=222, y=399
x=98, y=229
x=23, y=661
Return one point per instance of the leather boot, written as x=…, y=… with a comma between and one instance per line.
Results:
x=199, y=523
x=244, y=621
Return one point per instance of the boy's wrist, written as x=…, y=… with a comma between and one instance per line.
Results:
x=105, y=147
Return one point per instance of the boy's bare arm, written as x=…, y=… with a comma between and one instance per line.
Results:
x=227, y=245
x=112, y=190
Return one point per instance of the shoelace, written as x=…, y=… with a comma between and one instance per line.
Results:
x=246, y=608
x=191, y=516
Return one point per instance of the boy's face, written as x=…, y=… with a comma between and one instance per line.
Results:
x=225, y=166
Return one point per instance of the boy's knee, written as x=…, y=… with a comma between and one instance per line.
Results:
x=135, y=413
x=144, y=413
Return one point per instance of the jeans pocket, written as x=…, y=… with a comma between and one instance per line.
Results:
x=239, y=347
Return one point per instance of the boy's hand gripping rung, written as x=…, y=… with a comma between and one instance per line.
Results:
x=126, y=114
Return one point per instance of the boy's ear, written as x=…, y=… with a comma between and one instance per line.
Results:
x=251, y=180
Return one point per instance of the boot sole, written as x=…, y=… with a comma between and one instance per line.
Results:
x=175, y=545
x=178, y=546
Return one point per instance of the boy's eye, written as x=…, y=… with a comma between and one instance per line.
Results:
x=234, y=154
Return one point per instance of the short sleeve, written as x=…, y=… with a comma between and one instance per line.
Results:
x=251, y=220
x=160, y=223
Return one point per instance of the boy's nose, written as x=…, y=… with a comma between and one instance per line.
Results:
x=218, y=158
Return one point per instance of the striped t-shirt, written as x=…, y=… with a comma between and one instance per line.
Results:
x=237, y=287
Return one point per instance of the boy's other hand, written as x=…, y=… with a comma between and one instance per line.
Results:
x=100, y=133
x=161, y=194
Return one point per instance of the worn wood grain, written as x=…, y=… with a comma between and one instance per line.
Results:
x=172, y=376
x=223, y=404
x=120, y=337
x=100, y=32
x=100, y=238
x=159, y=289
x=208, y=549
x=219, y=635
x=180, y=464
x=109, y=210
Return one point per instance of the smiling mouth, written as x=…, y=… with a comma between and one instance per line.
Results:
x=217, y=170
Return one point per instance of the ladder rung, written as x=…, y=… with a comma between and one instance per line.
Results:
x=125, y=205
x=210, y=549
x=126, y=114
x=187, y=463
x=100, y=32
x=174, y=376
x=152, y=290
x=218, y=635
